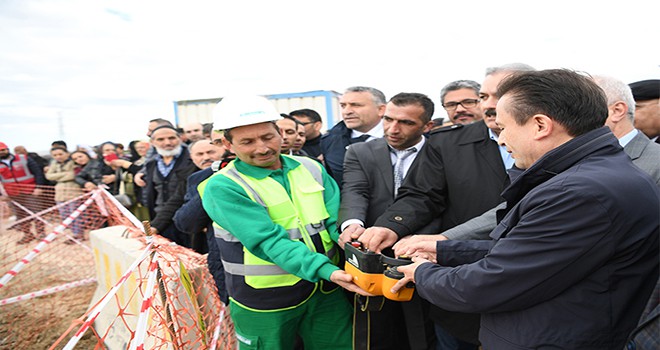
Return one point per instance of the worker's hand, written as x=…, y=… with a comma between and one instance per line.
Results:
x=137, y=179
x=408, y=274
x=377, y=238
x=37, y=192
x=90, y=186
x=423, y=246
x=154, y=231
x=345, y=280
x=350, y=233
x=5, y=199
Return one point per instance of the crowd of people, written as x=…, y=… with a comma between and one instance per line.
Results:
x=531, y=215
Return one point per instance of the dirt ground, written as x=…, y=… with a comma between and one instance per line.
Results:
x=37, y=323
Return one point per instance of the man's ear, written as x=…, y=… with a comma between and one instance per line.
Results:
x=428, y=126
x=227, y=144
x=318, y=126
x=618, y=111
x=381, y=110
x=543, y=126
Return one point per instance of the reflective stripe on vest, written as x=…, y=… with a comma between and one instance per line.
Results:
x=18, y=172
x=252, y=270
x=228, y=237
x=306, y=195
x=294, y=233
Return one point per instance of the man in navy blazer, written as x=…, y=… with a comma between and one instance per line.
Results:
x=362, y=109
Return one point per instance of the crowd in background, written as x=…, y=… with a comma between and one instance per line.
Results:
x=156, y=179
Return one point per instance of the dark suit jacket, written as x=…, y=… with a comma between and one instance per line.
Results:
x=368, y=183
x=458, y=175
x=333, y=148
x=367, y=191
x=191, y=218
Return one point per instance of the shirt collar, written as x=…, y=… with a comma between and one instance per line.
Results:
x=375, y=132
x=623, y=141
x=493, y=136
x=256, y=172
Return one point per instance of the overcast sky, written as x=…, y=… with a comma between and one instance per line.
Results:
x=89, y=71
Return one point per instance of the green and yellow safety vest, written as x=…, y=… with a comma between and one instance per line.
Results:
x=302, y=215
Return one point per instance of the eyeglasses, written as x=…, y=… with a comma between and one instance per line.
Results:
x=467, y=103
x=306, y=123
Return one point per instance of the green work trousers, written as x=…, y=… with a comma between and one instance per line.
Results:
x=323, y=322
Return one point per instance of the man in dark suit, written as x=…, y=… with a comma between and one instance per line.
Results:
x=362, y=109
x=370, y=184
x=460, y=175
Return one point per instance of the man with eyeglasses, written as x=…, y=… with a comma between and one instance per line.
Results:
x=311, y=120
x=460, y=99
x=458, y=176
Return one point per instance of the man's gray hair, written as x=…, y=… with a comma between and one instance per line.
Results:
x=378, y=96
x=457, y=85
x=510, y=67
x=616, y=90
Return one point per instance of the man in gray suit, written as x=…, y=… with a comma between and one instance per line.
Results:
x=369, y=179
x=644, y=153
x=372, y=172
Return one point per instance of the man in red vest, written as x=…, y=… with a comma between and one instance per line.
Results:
x=20, y=176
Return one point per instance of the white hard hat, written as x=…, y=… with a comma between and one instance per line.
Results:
x=240, y=110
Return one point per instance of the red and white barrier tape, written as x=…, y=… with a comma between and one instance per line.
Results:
x=41, y=213
x=137, y=223
x=106, y=299
x=216, y=332
x=51, y=236
x=137, y=343
x=47, y=291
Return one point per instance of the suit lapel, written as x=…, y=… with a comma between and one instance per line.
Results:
x=381, y=156
x=488, y=149
x=636, y=146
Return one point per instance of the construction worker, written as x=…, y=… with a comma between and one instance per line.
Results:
x=275, y=223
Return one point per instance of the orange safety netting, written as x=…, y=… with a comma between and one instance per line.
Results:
x=49, y=296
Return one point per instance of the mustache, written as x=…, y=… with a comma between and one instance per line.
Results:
x=491, y=112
